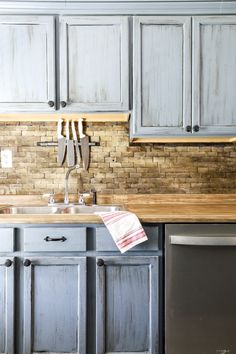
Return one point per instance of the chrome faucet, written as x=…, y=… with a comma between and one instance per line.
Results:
x=66, y=198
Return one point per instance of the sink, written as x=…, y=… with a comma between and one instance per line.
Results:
x=31, y=210
x=70, y=209
x=91, y=209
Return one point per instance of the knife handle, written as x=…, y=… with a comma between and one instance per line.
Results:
x=59, y=128
x=73, y=130
x=67, y=130
x=80, y=127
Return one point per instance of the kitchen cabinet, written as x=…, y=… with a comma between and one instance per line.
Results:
x=127, y=305
x=166, y=51
x=27, y=63
x=89, y=71
x=75, y=293
x=94, y=58
x=54, y=305
x=162, y=75
x=6, y=305
x=214, y=74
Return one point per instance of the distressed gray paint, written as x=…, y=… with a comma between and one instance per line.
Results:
x=104, y=241
x=214, y=105
x=55, y=305
x=127, y=305
x=27, y=65
x=94, y=63
x=34, y=239
x=6, y=307
x=120, y=8
x=6, y=239
x=162, y=75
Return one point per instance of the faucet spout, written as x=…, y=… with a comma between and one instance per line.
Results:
x=66, y=197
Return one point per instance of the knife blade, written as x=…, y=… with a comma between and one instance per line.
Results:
x=61, y=143
x=84, y=141
x=70, y=147
x=78, y=157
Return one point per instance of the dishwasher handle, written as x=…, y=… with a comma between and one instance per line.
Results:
x=202, y=240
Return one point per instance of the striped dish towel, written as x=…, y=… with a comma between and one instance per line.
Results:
x=125, y=229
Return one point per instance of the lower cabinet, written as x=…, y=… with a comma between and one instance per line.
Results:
x=6, y=305
x=55, y=305
x=74, y=293
x=127, y=305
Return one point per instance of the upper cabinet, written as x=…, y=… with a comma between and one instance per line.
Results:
x=162, y=75
x=166, y=102
x=27, y=63
x=94, y=53
x=92, y=61
x=214, y=74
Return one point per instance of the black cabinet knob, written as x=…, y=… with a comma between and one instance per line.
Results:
x=8, y=263
x=188, y=128
x=51, y=103
x=63, y=104
x=100, y=262
x=27, y=263
x=196, y=128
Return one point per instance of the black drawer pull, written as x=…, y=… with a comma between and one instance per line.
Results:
x=49, y=239
x=51, y=103
x=63, y=104
x=196, y=128
x=8, y=263
x=100, y=262
x=27, y=263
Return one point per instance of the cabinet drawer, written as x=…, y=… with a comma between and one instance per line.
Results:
x=104, y=241
x=55, y=239
x=6, y=240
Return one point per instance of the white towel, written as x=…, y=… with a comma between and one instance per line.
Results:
x=125, y=229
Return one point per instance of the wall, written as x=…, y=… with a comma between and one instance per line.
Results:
x=115, y=166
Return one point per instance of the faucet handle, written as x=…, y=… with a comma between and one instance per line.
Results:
x=81, y=199
x=50, y=196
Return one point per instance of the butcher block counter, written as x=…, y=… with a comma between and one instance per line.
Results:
x=157, y=208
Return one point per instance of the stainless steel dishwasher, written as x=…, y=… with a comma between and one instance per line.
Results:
x=200, y=289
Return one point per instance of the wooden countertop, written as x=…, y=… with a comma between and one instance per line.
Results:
x=149, y=208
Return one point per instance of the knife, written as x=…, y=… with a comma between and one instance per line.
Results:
x=78, y=157
x=61, y=143
x=84, y=141
x=70, y=147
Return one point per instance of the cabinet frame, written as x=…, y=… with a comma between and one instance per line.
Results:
x=65, y=22
x=137, y=128
x=153, y=263
x=10, y=304
x=49, y=22
x=197, y=68
x=28, y=289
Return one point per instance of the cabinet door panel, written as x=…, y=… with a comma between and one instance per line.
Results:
x=94, y=62
x=27, y=66
x=214, y=86
x=6, y=307
x=127, y=305
x=55, y=299
x=162, y=75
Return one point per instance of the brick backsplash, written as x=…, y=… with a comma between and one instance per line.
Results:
x=115, y=167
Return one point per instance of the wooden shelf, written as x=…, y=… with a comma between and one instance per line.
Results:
x=53, y=117
x=172, y=140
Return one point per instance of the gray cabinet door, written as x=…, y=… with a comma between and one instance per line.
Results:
x=55, y=305
x=27, y=63
x=127, y=305
x=162, y=75
x=6, y=306
x=94, y=63
x=214, y=74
